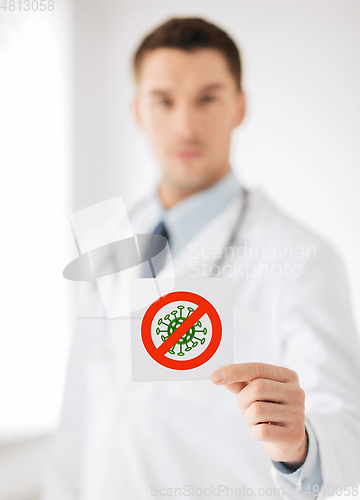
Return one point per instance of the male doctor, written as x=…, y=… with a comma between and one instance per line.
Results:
x=289, y=423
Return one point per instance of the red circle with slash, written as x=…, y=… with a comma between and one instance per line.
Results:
x=159, y=353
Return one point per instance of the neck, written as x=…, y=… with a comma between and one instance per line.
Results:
x=170, y=193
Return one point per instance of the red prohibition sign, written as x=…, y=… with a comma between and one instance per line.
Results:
x=158, y=353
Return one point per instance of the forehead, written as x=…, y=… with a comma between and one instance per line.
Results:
x=175, y=69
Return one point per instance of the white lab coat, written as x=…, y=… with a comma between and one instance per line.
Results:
x=117, y=438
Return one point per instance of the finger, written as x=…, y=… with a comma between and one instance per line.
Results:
x=246, y=372
x=278, y=435
x=262, y=389
x=284, y=415
x=236, y=387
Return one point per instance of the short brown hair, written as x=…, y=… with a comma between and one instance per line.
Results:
x=189, y=34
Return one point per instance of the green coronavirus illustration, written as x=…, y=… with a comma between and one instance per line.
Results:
x=189, y=340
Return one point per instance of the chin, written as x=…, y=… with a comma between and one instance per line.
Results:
x=189, y=174
x=191, y=181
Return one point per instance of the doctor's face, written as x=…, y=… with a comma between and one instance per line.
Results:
x=188, y=104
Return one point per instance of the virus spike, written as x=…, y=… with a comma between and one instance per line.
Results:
x=162, y=322
x=180, y=353
x=181, y=308
x=204, y=331
x=190, y=309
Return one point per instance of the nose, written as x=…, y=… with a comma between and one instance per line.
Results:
x=186, y=121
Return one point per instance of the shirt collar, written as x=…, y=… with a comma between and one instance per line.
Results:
x=185, y=219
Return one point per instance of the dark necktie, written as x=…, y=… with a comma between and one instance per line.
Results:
x=154, y=248
x=161, y=229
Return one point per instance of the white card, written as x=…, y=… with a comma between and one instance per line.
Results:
x=163, y=349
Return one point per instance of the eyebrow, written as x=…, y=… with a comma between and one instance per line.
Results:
x=207, y=88
x=159, y=92
x=212, y=86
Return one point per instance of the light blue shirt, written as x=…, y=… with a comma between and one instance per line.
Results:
x=183, y=221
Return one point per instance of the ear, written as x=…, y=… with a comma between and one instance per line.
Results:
x=136, y=111
x=241, y=108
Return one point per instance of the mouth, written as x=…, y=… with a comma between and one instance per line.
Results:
x=188, y=154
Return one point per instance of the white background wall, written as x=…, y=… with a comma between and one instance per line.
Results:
x=35, y=129
x=302, y=78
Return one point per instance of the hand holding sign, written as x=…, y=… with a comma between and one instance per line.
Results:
x=268, y=394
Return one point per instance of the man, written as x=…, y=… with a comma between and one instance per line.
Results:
x=293, y=420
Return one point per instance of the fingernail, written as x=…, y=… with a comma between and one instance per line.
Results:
x=217, y=377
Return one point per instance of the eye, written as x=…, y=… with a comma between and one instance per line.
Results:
x=206, y=99
x=165, y=103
